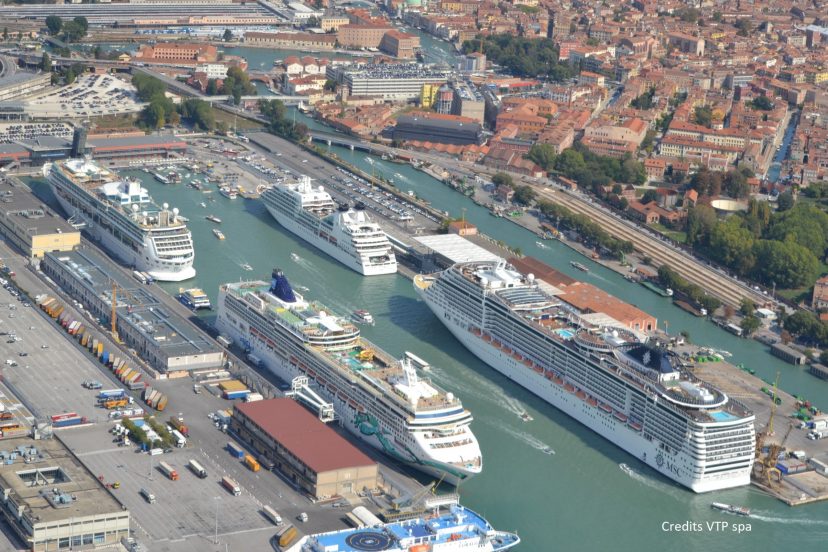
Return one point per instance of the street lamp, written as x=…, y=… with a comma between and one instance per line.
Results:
x=217, y=505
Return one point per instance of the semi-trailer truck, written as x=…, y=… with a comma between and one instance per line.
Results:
x=231, y=485
x=168, y=470
x=197, y=469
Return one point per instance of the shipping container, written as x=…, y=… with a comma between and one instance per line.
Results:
x=286, y=535
x=162, y=403
x=57, y=417
x=251, y=397
x=115, y=403
x=233, y=395
x=111, y=394
x=67, y=422
x=105, y=357
x=84, y=339
x=147, y=392
x=235, y=450
x=93, y=346
x=149, y=395
x=178, y=423
x=167, y=470
x=44, y=304
x=272, y=515
x=197, y=469
x=231, y=485
x=99, y=351
x=251, y=463
x=56, y=312
x=136, y=384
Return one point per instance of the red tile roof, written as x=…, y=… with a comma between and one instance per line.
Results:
x=318, y=446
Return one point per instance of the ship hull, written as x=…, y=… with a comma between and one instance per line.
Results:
x=378, y=437
x=677, y=467
x=354, y=263
x=139, y=259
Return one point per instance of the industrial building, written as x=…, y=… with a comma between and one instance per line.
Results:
x=34, y=152
x=305, y=450
x=389, y=81
x=440, y=251
x=435, y=128
x=53, y=502
x=30, y=225
x=165, y=340
x=15, y=83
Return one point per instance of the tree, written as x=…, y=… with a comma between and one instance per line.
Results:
x=569, y=162
x=199, y=113
x=649, y=195
x=747, y=307
x=749, y=324
x=82, y=23
x=703, y=115
x=54, y=24
x=503, y=179
x=523, y=57
x=543, y=155
x=804, y=224
x=227, y=36
x=761, y=103
x=312, y=22
x=785, y=201
x=823, y=357
x=524, y=195
x=785, y=264
x=5, y=33
x=732, y=245
x=745, y=27
x=154, y=115
x=45, y=63
x=212, y=87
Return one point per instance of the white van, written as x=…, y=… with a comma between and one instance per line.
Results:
x=148, y=496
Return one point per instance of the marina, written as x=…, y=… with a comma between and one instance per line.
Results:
x=402, y=321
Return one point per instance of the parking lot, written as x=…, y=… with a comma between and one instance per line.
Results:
x=89, y=96
x=41, y=365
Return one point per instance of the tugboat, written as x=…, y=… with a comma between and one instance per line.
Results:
x=730, y=509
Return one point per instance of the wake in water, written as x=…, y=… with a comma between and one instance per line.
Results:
x=490, y=393
x=301, y=261
x=526, y=438
x=650, y=482
x=788, y=521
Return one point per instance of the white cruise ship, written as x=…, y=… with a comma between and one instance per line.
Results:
x=608, y=378
x=350, y=237
x=378, y=398
x=120, y=215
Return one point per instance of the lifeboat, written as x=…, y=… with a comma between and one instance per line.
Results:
x=476, y=331
x=517, y=356
x=605, y=407
x=569, y=387
x=549, y=376
x=507, y=350
x=581, y=395
x=528, y=362
x=557, y=380
x=420, y=548
x=487, y=338
x=619, y=416
x=496, y=343
x=635, y=426
x=592, y=402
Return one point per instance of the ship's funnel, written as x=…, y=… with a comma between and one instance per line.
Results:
x=280, y=287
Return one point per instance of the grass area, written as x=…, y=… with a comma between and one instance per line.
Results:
x=114, y=122
x=240, y=122
x=796, y=295
x=676, y=235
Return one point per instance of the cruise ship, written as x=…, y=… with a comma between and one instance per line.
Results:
x=594, y=369
x=348, y=236
x=119, y=214
x=456, y=530
x=377, y=397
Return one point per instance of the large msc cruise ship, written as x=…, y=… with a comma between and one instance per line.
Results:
x=605, y=376
x=120, y=214
x=348, y=236
x=380, y=399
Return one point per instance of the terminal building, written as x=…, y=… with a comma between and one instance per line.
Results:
x=53, y=502
x=436, y=128
x=388, y=81
x=30, y=225
x=15, y=83
x=305, y=450
x=171, y=345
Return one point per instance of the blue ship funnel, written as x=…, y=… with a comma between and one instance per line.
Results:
x=280, y=287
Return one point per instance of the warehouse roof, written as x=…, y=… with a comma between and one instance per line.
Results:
x=456, y=248
x=316, y=445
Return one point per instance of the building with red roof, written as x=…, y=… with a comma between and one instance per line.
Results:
x=303, y=449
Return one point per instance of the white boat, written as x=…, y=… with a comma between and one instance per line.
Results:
x=598, y=371
x=227, y=192
x=203, y=205
x=376, y=397
x=218, y=233
x=349, y=236
x=247, y=267
x=730, y=509
x=121, y=216
x=213, y=218
x=194, y=298
x=455, y=529
x=362, y=317
x=541, y=245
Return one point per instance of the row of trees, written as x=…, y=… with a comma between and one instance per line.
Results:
x=160, y=110
x=781, y=249
x=589, y=170
x=69, y=31
x=671, y=279
x=278, y=123
x=523, y=57
x=733, y=183
x=590, y=231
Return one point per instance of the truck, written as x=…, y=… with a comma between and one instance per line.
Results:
x=148, y=496
x=816, y=435
x=224, y=341
x=107, y=394
x=180, y=440
x=235, y=450
x=178, y=423
x=231, y=485
x=197, y=469
x=134, y=382
x=92, y=384
x=168, y=470
x=266, y=462
x=240, y=394
x=67, y=420
x=272, y=515
x=161, y=404
x=251, y=463
x=286, y=535
x=111, y=404
x=819, y=423
x=254, y=360
x=140, y=276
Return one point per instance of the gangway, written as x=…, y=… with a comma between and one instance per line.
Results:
x=418, y=362
x=300, y=390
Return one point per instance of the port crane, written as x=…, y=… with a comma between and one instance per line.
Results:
x=767, y=464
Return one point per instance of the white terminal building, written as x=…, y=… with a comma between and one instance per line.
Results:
x=389, y=81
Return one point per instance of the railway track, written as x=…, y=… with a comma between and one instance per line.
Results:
x=722, y=287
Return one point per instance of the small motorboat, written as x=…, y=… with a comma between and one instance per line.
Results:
x=203, y=205
x=526, y=417
x=247, y=267
x=730, y=509
x=218, y=233
x=362, y=317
